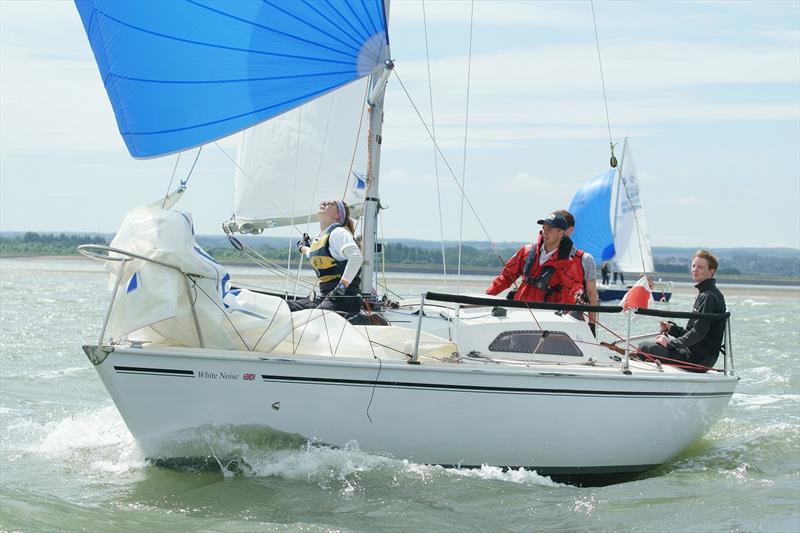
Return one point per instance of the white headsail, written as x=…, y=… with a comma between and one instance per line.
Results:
x=631, y=239
x=287, y=165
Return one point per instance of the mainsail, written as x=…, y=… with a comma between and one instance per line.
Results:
x=609, y=218
x=315, y=152
x=183, y=73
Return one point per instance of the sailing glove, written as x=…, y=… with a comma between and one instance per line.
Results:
x=305, y=241
x=339, y=290
x=510, y=294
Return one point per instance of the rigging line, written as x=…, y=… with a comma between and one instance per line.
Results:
x=254, y=183
x=450, y=169
x=455, y=180
x=374, y=355
x=265, y=262
x=260, y=337
x=464, y=158
x=319, y=163
x=610, y=141
x=602, y=78
x=383, y=258
x=224, y=314
x=355, y=144
x=189, y=175
x=294, y=197
x=341, y=336
x=305, y=326
x=328, y=333
x=374, y=383
x=174, y=169
x=435, y=155
x=624, y=186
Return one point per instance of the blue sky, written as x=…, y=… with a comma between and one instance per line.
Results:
x=707, y=92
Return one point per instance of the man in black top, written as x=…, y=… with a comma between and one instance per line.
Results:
x=700, y=341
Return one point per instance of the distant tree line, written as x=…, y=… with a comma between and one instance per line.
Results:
x=681, y=265
x=756, y=263
x=32, y=243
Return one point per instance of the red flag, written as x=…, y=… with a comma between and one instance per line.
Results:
x=637, y=296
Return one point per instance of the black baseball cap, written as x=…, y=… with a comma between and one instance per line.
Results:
x=556, y=220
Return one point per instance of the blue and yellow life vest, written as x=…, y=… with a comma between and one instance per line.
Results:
x=328, y=269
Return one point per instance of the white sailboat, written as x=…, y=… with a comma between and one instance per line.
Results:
x=612, y=226
x=477, y=381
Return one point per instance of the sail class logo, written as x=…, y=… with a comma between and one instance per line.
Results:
x=248, y=377
x=359, y=185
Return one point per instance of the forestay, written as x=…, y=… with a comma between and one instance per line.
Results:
x=182, y=74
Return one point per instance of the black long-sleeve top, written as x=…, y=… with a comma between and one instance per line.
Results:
x=702, y=336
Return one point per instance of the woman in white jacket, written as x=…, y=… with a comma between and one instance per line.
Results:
x=336, y=258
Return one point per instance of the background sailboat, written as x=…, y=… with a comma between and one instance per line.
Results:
x=611, y=224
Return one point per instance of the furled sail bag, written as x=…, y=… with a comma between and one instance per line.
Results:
x=154, y=302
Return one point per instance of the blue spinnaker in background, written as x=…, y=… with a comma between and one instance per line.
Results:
x=591, y=207
x=181, y=73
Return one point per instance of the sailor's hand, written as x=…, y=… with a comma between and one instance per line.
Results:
x=663, y=327
x=662, y=340
x=510, y=294
x=305, y=241
x=340, y=290
x=581, y=298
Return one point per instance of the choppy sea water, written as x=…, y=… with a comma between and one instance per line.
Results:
x=68, y=463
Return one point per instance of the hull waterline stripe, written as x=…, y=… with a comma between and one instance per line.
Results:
x=154, y=371
x=489, y=389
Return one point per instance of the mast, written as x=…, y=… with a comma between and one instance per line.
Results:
x=372, y=202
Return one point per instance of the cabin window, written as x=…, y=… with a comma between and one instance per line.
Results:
x=528, y=341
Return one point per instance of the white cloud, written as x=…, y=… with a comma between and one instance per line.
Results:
x=523, y=183
x=486, y=13
x=690, y=201
x=648, y=177
x=628, y=67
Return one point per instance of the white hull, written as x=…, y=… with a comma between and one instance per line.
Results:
x=558, y=419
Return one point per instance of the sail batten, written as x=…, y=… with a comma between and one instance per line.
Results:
x=182, y=74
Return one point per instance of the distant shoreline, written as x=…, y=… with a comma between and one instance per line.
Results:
x=416, y=269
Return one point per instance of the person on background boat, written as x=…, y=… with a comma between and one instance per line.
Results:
x=589, y=268
x=336, y=258
x=548, y=271
x=701, y=340
x=605, y=271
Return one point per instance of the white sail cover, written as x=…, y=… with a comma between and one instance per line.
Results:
x=287, y=165
x=631, y=239
x=154, y=303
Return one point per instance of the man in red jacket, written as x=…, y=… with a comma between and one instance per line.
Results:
x=548, y=271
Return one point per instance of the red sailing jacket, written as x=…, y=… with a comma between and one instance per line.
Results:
x=566, y=281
